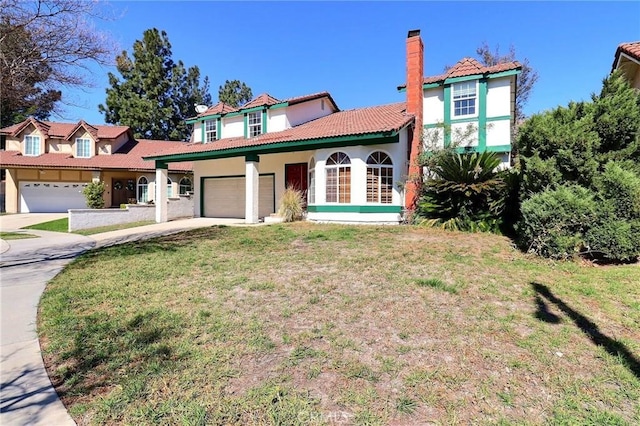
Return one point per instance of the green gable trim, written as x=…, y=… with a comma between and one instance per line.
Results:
x=482, y=113
x=162, y=165
x=431, y=85
x=291, y=146
x=252, y=157
x=194, y=121
x=463, y=120
x=504, y=74
x=500, y=118
x=461, y=79
x=202, y=126
x=447, y=115
x=348, y=208
x=264, y=121
x=218, y=128
x=258, y=108
x=277, y=106
x=433, y=125
x=402, y=89
x=246, y=126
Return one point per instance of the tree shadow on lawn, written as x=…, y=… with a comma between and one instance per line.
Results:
x=588, y=327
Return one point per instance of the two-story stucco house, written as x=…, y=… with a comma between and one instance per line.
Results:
x=353, y=165
x=49, y=164
x=627, y=59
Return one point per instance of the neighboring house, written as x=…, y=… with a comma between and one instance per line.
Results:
x=48, y=164
x=627, y=59
x=352, y=165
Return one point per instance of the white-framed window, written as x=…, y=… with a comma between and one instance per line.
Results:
x=254, y=124
x=379, y=178
x=464, y=98
x=169, y=188
x=338, y=176
x=31, y=145
x=211, y=130
x=143, y=189
x=311, y=192
x=83, y=147
x=186, y=186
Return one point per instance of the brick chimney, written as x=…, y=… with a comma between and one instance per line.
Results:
x=415, y=78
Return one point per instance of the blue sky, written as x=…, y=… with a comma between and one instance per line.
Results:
x=356, y=50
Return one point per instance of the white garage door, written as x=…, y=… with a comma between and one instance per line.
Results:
x=51, y=197
x=225, y=197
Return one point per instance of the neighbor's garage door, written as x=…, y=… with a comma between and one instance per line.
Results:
x=51, y=197
x=225, y=197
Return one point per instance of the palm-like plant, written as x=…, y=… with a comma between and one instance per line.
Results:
x=464, y=191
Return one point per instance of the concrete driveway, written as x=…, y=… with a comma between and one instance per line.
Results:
x=11, y=222
x=27, y=396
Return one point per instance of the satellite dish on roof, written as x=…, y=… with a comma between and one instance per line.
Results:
x=201, y=108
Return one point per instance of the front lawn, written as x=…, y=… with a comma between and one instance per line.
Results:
x=329, y=324
x=62, y=225
x=16, y=235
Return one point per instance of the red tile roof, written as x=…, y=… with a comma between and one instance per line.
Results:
x=361, y=121
x=219, y=108
x=261, y=100
x=305, y=98
x=470, y=66
x=631, y=49
x=62, y=130
x=129, y=157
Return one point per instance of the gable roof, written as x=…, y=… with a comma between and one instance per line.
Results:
x=63, y=130
x=219, y=108
x=383, y=119
x=631, y=49
x=261, y=100
x=128, y=156
x=469, y=66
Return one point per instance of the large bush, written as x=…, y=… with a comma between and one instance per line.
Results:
x=94, y=195
x=554, y=222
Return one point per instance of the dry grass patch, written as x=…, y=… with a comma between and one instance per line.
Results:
x=326, y=324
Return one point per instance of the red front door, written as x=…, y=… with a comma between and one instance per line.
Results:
x=295, y=176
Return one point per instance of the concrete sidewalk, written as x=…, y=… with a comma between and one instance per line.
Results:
x=27, y=396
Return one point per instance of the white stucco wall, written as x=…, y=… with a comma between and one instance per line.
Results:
x=465, y=134
x=433, y=106
x=180, y=207
x=197, y=131
x=277, y=120
x=498, y=132
x=233, y=127
x=499, y=97
x=307, y=111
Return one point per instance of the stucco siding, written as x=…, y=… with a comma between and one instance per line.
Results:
x=277, y=120
x=433, y=106
x=307, y=111
x=499, y=97
x=233, y=127
x=499, y=132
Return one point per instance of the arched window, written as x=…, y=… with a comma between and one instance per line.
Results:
x=338, y=170
x=379, y=178
x=312, y=181
x=186, y=187
x=169, y=188
x=143, y=190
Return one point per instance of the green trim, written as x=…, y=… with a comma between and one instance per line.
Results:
x=162, y=165
x=504, y=74
x=482, y=114
x=202, y=127
x=252, y=157
x=402, y=89
x=499, y=118
x=447, y=115
x=258, y=108
x=433, y=125
x=218, y=128
x=431, y=85
x=278, y=106
x=264, y=121
x=195, y=120
x=349, y=208
x=246, y=126
x=461, y=79
x=291, y=146
x=203, y=178
x=464, y=120
x=490, y=148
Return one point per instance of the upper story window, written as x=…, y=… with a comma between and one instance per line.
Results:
x=211, y=130
x=379, y=178
x=254, y=123
x=83, y=147
x=464, y=98
x=338, y=171
x=31, y=145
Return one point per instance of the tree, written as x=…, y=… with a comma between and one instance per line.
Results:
x=234, y=93
x=45, y=45
x=526, y=80
x=156, y=95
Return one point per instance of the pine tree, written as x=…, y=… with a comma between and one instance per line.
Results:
x=234, y=93
x=155, y=94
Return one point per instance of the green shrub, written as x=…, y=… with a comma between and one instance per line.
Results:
x=291, y=206
x=614, y=240
x=93, y=193
x=620, y=188
x=554, y=222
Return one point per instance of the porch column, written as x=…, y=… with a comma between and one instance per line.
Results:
x=252, y=189
x=162, y=174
